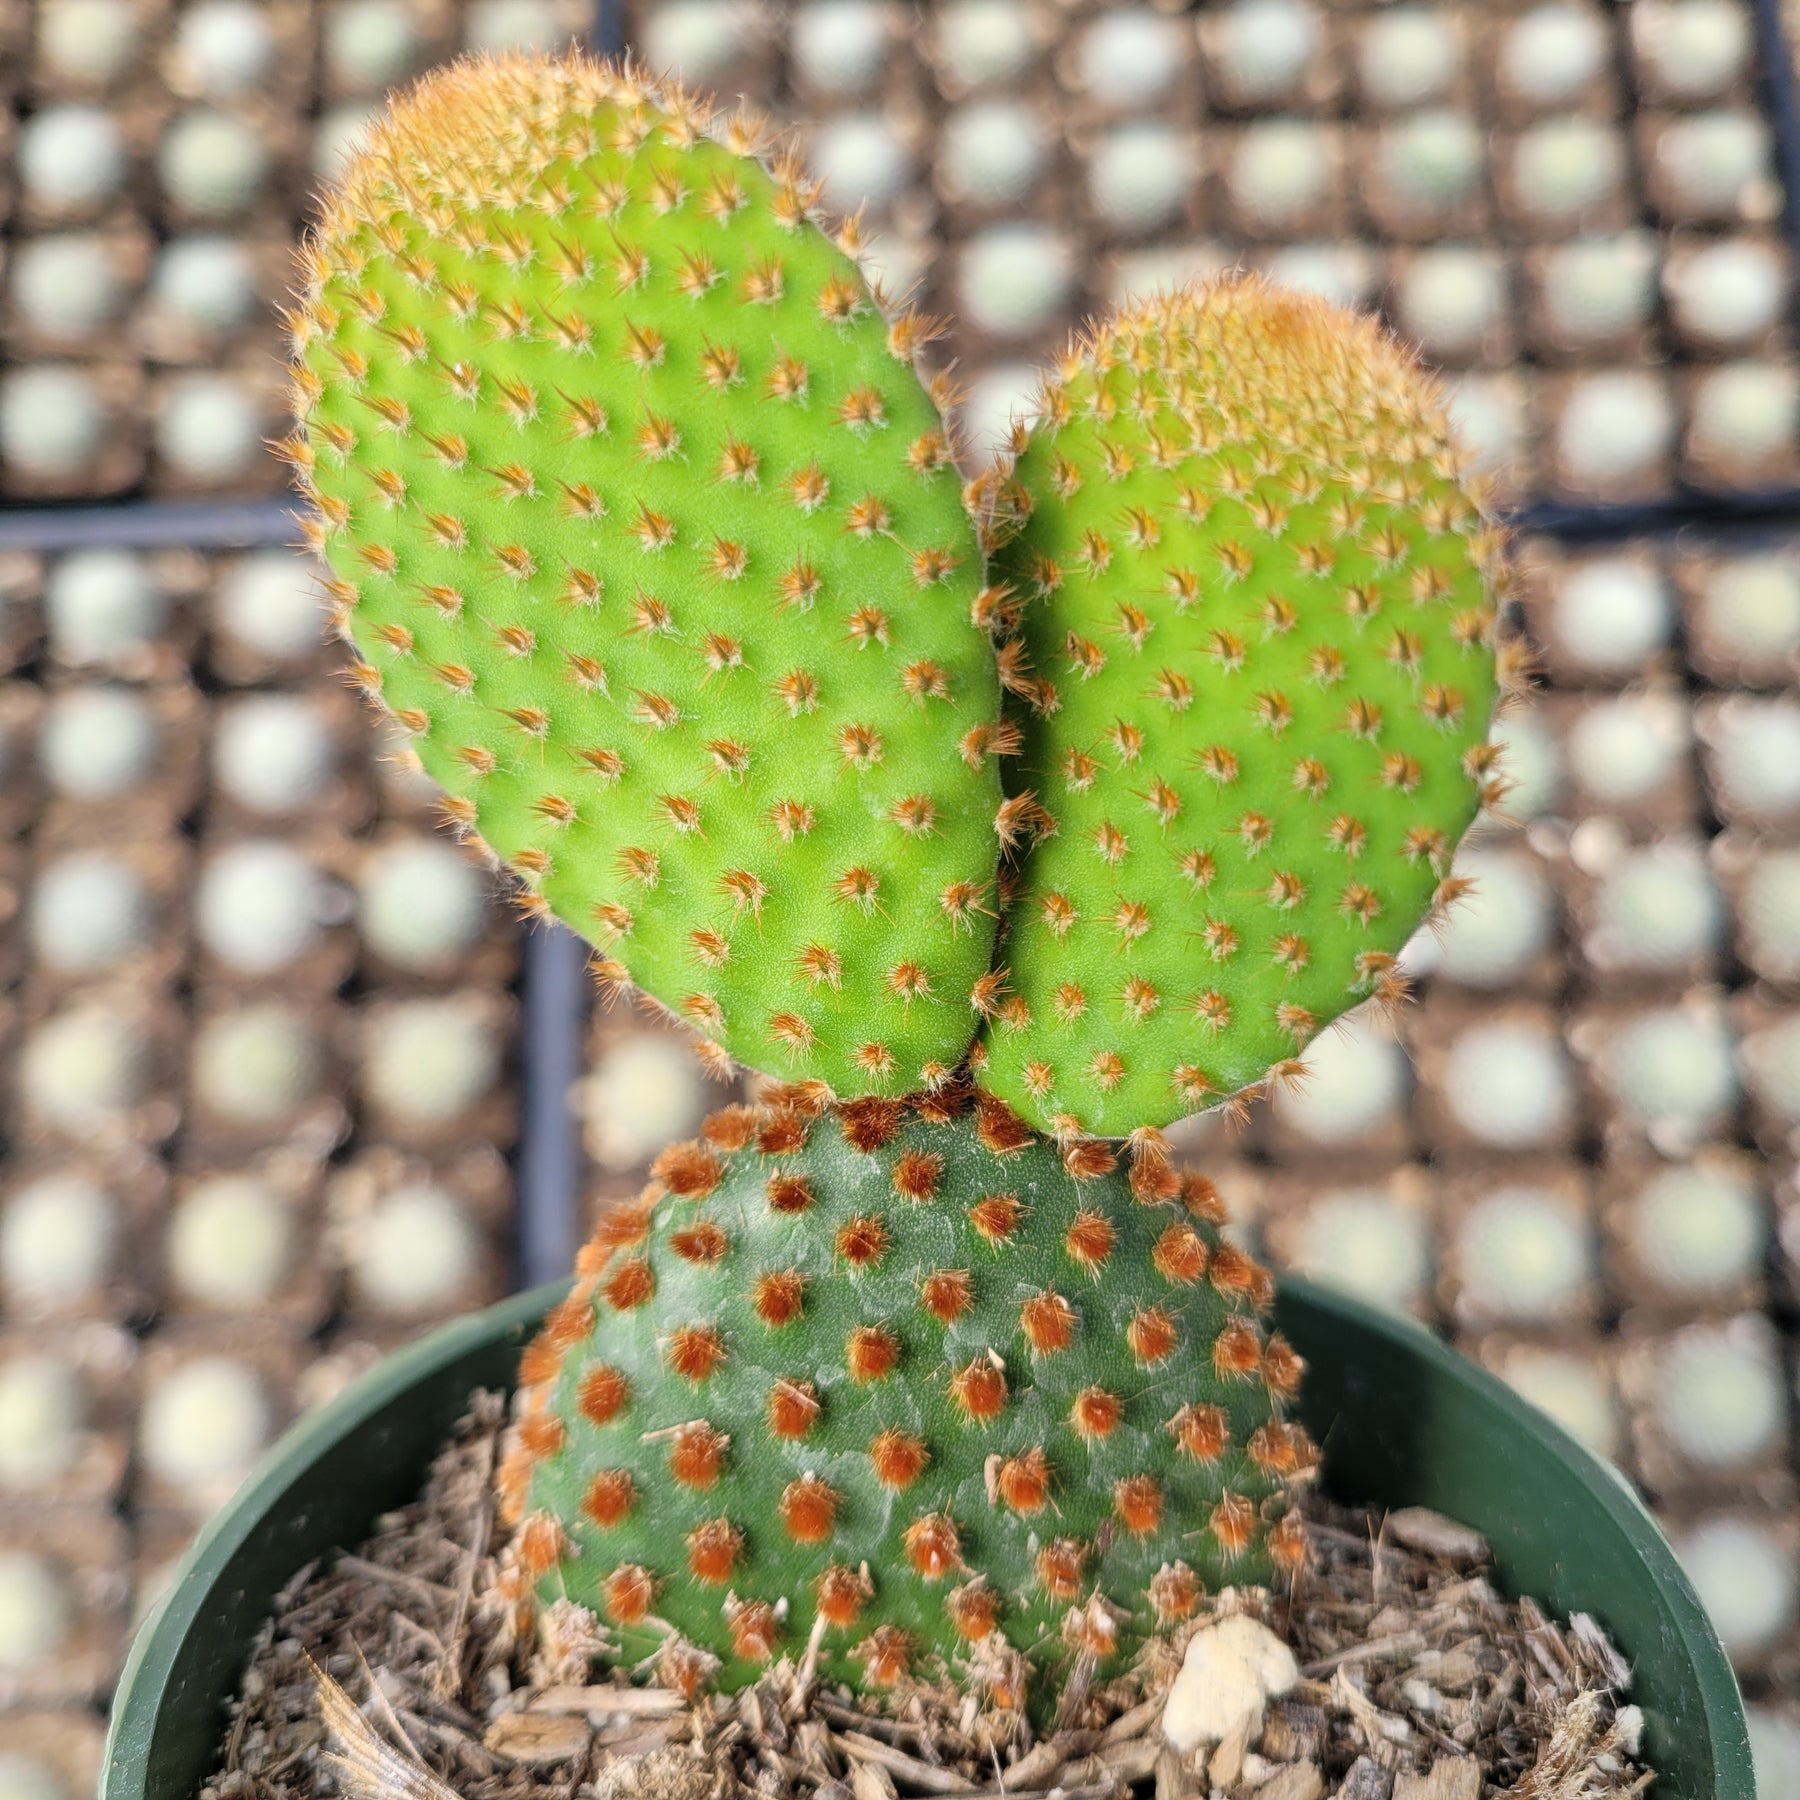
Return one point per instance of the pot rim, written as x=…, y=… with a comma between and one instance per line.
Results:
x=150, y=1678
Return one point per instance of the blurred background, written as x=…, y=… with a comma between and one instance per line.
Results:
x=282, y=1082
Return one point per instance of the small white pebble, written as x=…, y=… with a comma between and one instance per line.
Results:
x=417, y=1251
x=1745, y=413
x=370, y=44
x=89, y=42
x=211, y=429
x=994, y=401
x=202, y=1422
x=1487, y=416
x=429, y=1061
x=23, y=1777
x=70, y=156
x=1129, y=57
x=1771, y=1059
x=211, y=164
x=1522, y=1256
x=1694, y=48
x=1553, y=52
x=1431, y=161
x=1576, y=1394
x=44, y=1415
x=1774, y=1749
x=646, y=1091
x=97, y=743
x=1715, y=163
x=67, y=284
x=269, y=603
x=258, y=1065
x=1756, y=756
x=1493, y=934
x=1730, y=292
x=1139, y=175
x=1718, y=1395
x=37, y=1612
x=1530, y=763
x=534, y=26
x=1657, y=908
x=1615, y=428
x=1409, y=55
x=1610, y=613
x=1745, y=1578
x=421, y=903
x=1343, y=273
x=1750, y=607
x=1698, y=1229
x=840, y=46
x=1231, y=1669
x=259, y=906
x=206, y=281
x=1769, y=914
x=1596, y=289
x=1449, y=298
x=53, y=422
x=862, y=160
x=228, y=46
x=83, y=1068
x=1621, y=751
x=1013, y=279
x=1563, y=167
x=983, y=41
x=1280, y=170
x=274, y=753
x=993, y=151
x=1508, y=1084
x=1356, y=1081
x=1265, y=46
x=58, y=1239
x=696, y=41
x=1361, y=1241
x=100, y=604
x=89, y=911
x=231, y=1242
x=1672, y=1070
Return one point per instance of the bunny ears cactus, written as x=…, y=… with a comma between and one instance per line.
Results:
x=648, y=531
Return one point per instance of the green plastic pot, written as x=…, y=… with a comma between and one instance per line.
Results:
x=1403, y=1420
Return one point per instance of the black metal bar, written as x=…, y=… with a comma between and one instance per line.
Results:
x=549, y=1162
x=151, y=525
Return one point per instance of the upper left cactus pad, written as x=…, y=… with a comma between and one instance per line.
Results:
x=647, y=531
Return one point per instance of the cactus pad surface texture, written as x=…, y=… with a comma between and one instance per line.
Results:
x=647, y=531
x=1254, y=670
x=907, y=1385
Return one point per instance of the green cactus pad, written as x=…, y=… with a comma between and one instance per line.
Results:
x=910, y=1378
x=647, y=531
x=1254, y=671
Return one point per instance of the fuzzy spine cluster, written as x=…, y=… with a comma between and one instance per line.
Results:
x=904, y=1389
x=647, y=531
x=1252, y=615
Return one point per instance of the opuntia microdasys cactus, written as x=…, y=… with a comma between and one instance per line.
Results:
x=1254, y=674
x=649, y=533
x=901, y=1386
x=645, y=526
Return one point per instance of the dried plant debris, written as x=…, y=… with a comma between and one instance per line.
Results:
x=1393, y=1671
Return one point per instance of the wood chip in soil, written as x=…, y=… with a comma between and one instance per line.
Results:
x=397, y=1673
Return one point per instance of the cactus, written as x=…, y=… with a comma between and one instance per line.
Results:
x=1253, y=676
x=899, y=1386
x=648, y=533
x=644, y=525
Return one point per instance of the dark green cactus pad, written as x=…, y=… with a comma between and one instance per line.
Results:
x=914, y=1370
x=647, y=531
x=1254, y=671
